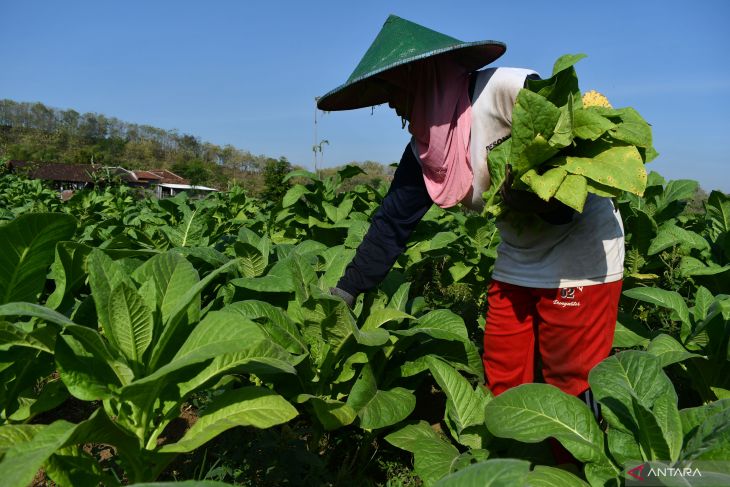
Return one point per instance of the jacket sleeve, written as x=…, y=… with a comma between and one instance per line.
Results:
x=391, y=226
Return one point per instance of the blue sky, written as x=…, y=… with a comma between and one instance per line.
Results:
x=246, y=73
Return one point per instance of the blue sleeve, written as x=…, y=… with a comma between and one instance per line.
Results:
x=391, y=226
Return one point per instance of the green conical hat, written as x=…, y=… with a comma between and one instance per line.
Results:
x=399, y=43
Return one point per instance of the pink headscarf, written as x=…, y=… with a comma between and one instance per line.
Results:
x=440, y=123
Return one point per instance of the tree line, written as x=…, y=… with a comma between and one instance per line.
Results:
x=36, y=132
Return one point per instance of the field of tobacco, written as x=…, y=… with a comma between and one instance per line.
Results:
x=194, y=340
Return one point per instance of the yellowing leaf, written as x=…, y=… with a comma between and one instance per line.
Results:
x=573, y=192
x=545, y=185
x=617, y=167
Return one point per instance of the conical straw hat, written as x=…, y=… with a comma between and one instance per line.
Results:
x=401, y=42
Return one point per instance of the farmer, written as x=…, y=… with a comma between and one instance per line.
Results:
x=556, y=285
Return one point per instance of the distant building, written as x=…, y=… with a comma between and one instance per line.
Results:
x=169, y=183
x=72, y=176
x=146, y=179
x=69, y=177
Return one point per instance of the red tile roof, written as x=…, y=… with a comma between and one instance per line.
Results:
x=146, y=175
x=169, y=177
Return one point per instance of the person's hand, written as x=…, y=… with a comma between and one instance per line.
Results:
x=348, y=298
x=552, y=211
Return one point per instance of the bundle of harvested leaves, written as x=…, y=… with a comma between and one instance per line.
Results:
x=564, y=146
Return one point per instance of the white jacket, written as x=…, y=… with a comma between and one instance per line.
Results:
x=588, y=250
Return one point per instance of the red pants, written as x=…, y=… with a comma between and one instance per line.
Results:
x=572, y=327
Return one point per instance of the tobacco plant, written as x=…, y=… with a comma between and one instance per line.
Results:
x=154, y=346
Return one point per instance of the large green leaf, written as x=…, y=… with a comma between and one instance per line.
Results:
x=175, y=330
x=632, y=128
x=464, y=405
x=105, y=274
x=433, y=455
x=249, y=406
x=303, y=276
x=636, y=394
x=331, y=413
x=90, y=338
x=253, y=262
x=500, y=472
x=668, y=350
x=631, y=334
x=649, y=433
x=624, y=447
x=532, y=115
x=562, y=84
x=543, y=476
x=379, y=317
x=563, y=135
x=717, y=215
x=399, y=299
x=13, y=334
x=602, y=190
x=601, y=474
x=130, y=321
x=711, y=438
x=32, y=402
x=690, y=266
x=694, y=417
x=497, y=159
x=537, y=152
x=99, y=349
x=29, y=244
x=24, y=459
x=13, y=434
x=190, y=230
x=640, y=229
x=573, y=192
x=86, y=375
x=293, y=195
x=588, y=124
x=219, y=333
x=676, y=191
x=277, y=323
x=68, y=273
x=172, y=276
x=534, y=412
x=56, y=437
x=338, y=213
x=279, y=279
x=337, y=325
x=22, y=371
x=72, y=466
x=463, y=356
x=34, y=310
x=670, y=235
x=545, y=185
x=671, y=300
x=377, y=408
x=356, y=233
x=711, y=332
x=261, y=358
x=566, y=61
x=440, y=323
x=441, y=241
x=337, y=259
